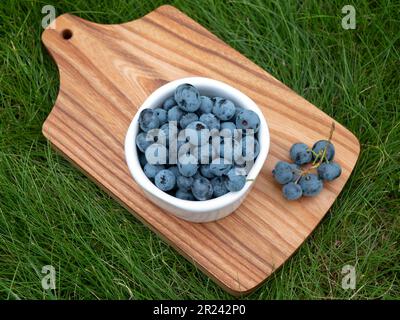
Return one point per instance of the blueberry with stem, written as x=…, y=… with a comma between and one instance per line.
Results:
x=329, y=171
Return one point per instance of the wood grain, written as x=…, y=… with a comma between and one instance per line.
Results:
x=107, y=71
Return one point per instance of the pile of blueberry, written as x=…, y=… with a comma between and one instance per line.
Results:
x=298, y=182
x=197, y=147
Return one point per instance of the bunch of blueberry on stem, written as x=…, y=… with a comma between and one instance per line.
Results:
x=298, y=182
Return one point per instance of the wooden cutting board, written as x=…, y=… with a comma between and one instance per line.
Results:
x=107, y=71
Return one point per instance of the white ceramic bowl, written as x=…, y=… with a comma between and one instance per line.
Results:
x=196, y=211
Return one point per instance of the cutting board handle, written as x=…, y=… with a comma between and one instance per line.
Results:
x=77, y=45
x=66, y=27
x=59, y=32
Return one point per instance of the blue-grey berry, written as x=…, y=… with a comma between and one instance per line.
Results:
x=206, y=105
x=184, y=183
x=142, y=159
x=162, y=115
x=211, y=121
x=196, y=133
x=142, y=142
x=283, y=172
x=319, y=147
x=184, y=195
x=329, y=171
x=310, y=184
x=165, y=128
x=250, y=148
x=148, y=120
x=151, y=170
x=230, y=149
x=187, y=165
x=157, y=153
x=205, y=153
x=247, y=120
x=228, y=129
x=197, y=175
x=219, y=187
x=300, y=153
x=219, y=166
x=174, y=170
x=206, y=171
x=165, y=180
x=237, y=110
x=234, y=181
x=187, y=119
x=223, y=109
x=175, y=114
x=202, y=189
x=292, y=191
x=169, y=103
x=187, y=97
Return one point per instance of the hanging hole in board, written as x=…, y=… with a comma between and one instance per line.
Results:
x=66, y=34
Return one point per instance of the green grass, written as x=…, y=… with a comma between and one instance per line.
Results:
x=51, y=214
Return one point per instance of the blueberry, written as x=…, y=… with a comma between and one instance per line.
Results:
x=196, y=133
x=184, y=195
x=205, y=105
x=210, y=121
x=187, y=97
x=197, y=175
x=319, y=147
x=151, y=170
x=228, y=129
x=142, y=159
x=156, y=154
x=234, y=181
x=187, y=165
x=165, y=129
x=223, y=109
x=169, y=103
x=183, y=148
x=230, y=149
x=219, y=188
x=165, y=180
x=237, y=110
x=283, y=172
x=300, y=153
x=219, y=167
x=202, y=189
x=182, y=143
x=184, y=183
x=174, y=170
x=247, y=119
x=292, y=191
x=250, y=148
x=187, y=119
x=329, y=171
x=205, y=153
x=158, y=136
x=310, y=184
x=141, y=141
x=215, y=139
x=206, y=171
x=161, y=114
x=242, y=169
x=175, y=114
x=148, y=120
